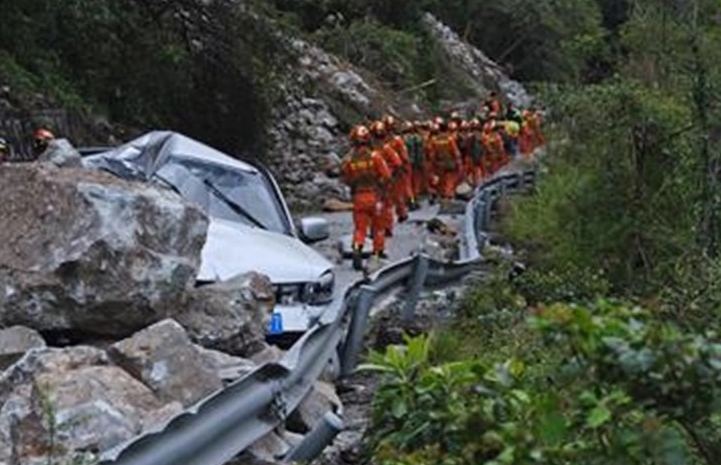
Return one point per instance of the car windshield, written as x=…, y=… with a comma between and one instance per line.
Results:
x=236, y=195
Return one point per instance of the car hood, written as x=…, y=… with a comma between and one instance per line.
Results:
x=232, y=248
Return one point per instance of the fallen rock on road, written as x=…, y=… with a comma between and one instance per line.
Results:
x=85, y=251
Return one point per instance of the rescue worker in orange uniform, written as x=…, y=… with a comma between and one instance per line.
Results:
x=41, y=140
x=495, y=154
x=367, y=174
x=534, y=123
x=395, y=165
x=491, y=104
x=414, y=147
x=476, y=173
x=402, y=190
x=447, y=162
x=432, y=178
x=463, y=141
x=526, y=137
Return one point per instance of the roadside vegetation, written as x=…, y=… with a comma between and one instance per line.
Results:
x=606, y=350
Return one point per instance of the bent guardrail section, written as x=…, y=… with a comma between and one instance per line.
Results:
x=226, y=423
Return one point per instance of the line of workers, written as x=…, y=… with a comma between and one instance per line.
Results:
x=392, y=164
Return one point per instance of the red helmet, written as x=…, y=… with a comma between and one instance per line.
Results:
x=390, y=122
x=360, y=135
x=41, y=139
x=378, y=129
x=43, y=134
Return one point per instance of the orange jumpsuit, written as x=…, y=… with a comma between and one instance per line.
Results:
x=366, y=172
x=401, y=188
x=475, y=170
x=429, y=167
x=525, y=138
x=414, y=146
x=395, y=165
x=534, y=124
x=447, y=164
x=494, y=153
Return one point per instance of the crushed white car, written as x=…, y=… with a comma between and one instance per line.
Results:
x=250, y=226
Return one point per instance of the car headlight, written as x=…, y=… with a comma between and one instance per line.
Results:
x=321, y=291
x=288, y=294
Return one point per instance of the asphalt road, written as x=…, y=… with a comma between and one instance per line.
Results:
x=407, y=238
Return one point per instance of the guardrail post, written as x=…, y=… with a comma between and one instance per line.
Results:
x=316, y=440
x=357, y=330
x=487, y=212
x=415, y=286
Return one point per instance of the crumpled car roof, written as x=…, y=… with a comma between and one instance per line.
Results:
x=141, y=158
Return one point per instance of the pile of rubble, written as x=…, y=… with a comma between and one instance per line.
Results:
x=105, y=334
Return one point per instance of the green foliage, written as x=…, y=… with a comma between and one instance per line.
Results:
x=369, y=44
x=202, y=69
x=617, y=386
x=561, y=284
x=615, y=197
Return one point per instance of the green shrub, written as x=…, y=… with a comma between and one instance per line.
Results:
x=616, y=385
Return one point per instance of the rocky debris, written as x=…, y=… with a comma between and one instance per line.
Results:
x=268, y=450
x=228, y=367
x=85, y=251
x=335, y=205
x=267, y=355
x=484, y=73
x=163, y=358
x=320, y=400
x=62, y=154
x=15, y=341
x=438, y=226
x=464, y=191
x=58, y=403
x=230, y=316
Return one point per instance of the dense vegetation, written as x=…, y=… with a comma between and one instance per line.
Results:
x=212, y=69
x=606, y=350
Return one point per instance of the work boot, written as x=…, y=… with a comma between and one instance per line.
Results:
x=357, y=258
x=432, y=199
x=402, y=219
x=413, y=205
x=388, y=233
x=382, y=254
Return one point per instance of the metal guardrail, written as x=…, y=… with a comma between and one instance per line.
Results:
x=226, y=423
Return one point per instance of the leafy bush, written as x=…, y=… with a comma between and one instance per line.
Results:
x=561, y=284
x=617, y=386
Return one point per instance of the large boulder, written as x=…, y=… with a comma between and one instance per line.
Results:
x=163, y=358
x=230, y=316
x=82, y=250
x=57, y=404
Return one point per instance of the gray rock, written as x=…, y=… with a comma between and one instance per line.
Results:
x=267, y=354
x=268, y=450
x=227, y=367
x=61, y=402
x=163, y=358
x=230, y=316
x=15, y=341
x=61, y=153
x=482, y=71
x=320, y=400
x=85, y=250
